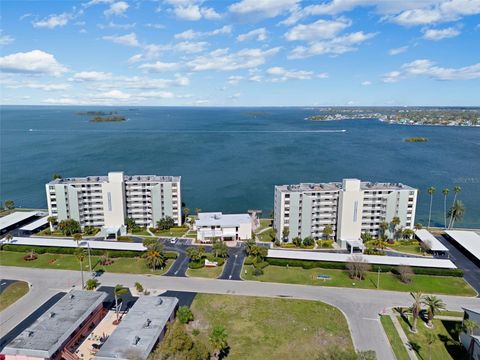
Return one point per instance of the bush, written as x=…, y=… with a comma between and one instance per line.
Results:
x=196, y=264
x=261, y=265
x=138, y=287
x=92, y=284
x=370, y=251
x=288, y=245
x=257, y=272
x=249, y=260
x=170, y=255
x=184, y=314
x=124, y=239
x=325, y=244
x=65, y=250
x=220, y=261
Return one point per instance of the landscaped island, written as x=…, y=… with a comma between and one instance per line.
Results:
x=446, y=116
x=416, y=139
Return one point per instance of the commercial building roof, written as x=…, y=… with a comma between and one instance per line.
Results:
x=139, y=330
x=371, y=259
x=429, y=240
x=127, y=178
x=336, y=186
x=469, y=240
x=52, y=329
x=475, y=309
x=222, y=220
x=36, y=224
x=15, y=218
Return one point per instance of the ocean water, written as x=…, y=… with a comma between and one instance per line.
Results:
x=231, y=158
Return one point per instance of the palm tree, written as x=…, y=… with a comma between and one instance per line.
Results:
x=218, y=339
x=384, y=227
x=407, y=233
x=52, y=220
x=9, y=237
x=416, y=308
x=456, y=212
x=433, y=305
x=445, y=194
x=155, y=258
x=431, y=190
x=80, y=255
x=418, y=226
x=394, y=223
x=285, y=233
x=469, y=326
x=77, y=237
x=327, y=231
x=456, y=190
x=118, y=292
x=431, y=338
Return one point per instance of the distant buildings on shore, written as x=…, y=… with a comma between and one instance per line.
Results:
x=106, y=201
x=350, y=208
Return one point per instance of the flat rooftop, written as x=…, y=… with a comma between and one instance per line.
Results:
x=36, y=224
x=103, y=179
x=431, y=241
x=336, y=186
x=52, y=329
x=469, y=240
x=15, y=218
x=222, y=220
x=139, y=330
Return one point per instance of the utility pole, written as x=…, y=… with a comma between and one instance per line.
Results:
x=378, y=278
x=89, y=258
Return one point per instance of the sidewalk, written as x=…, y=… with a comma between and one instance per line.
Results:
x=401, y=333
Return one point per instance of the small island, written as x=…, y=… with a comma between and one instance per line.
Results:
x=109, y=118
x=416, y=139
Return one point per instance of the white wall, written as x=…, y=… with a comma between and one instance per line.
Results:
x=350, y=206
x=113, y=193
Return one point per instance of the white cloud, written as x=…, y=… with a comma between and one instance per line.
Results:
x=223, y=60
x=439, y=34
x=320, y=29
x=112, y=25
x=62, y=101
x=424, y=67
x=53, y=21
x=191, y=10
x=157, y=94
x=114, y=94
x=33, y=62
x=135, y=58
x=155, y=26
x=191, y=34
x=190, y=47
x=39, y=86
x=128, y=39
x=258, y=34
x=279, y=74
x=117, y=9
x=262, y=8
x=5, y=39
x=336, y=46
x=234, y=79
x=255, y=78
x=398, y=50
x=366, y=83
x=158, y=66
x=91, y=76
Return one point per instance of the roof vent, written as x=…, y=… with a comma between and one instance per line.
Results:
x=30, y=333
x=147, y=323
x=52, y=314
x=160, y=301
x=71, y=296
x=136, y=340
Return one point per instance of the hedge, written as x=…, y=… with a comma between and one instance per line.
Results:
x=310, y=264
x=196, y=264
x=171, y=255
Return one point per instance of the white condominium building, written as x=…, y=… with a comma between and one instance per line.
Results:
x=227, y=227
x=350, y=208
x=105, y=201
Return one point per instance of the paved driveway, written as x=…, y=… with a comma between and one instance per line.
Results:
x=361, y=307
x=233, y=265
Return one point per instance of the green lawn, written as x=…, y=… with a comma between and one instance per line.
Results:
x=12, y=293
x=266, y=236
x=446, y=345
x=206, y=272
x=388, y=281
x=264, y=223
x=450, y=313
x=271, y=328
x=394, y=339
x=141, y=232
x=175, y=231
x=410, y=249
x=70, y=262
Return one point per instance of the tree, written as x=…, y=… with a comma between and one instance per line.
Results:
x=259, y=252
x=69, y=227
x=220, y=249
x=456, y=212
x=433, y=305
x=155, y=258
x=77, y=237
x=9, y=237
x=431, y=338
x=249, y=244
x=456, y=190
x=92, y=284
x=469, y=326
x=52, y=221
x=297, y=241
x=184, y=314
x=407, y=233
x=218, y=340
x=165, y=223
x=406, y=273
x=56, y=176
x=185, y=211
x=416, y=308
x=327, y=231
x=418, y=226
x=196, y=253
x=131, y=224
x=117, y=293
x=285, y=233
x=393, y=225
x=138, y=287
x=431, y=190
x=9, y=204
x=383, y=228
x=198, y=211
x=308, y=241
x=80, y=255
x=357, y=266
x=445, y=194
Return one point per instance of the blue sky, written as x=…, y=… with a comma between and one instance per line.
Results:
x=240, y=53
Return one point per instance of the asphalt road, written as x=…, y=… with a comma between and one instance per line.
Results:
x=361, y=307
x=471, y=270
x=233, y=265
x=4, y=283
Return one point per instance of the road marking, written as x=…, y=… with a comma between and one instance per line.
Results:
x=370, y=319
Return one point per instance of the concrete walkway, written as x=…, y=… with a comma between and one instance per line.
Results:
x=405, y=341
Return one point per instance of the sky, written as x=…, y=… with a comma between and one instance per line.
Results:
x=240, y=52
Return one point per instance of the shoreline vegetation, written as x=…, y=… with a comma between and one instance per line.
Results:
x=102, y=116
x=434, y=116
x=416, y=139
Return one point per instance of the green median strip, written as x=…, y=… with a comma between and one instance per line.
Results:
x=395, y=341
x=12, y=293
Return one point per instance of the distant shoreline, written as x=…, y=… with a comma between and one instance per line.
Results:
x=393, y=122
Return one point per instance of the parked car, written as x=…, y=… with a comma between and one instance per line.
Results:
x=173, y=240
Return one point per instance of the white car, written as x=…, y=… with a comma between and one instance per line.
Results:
x=173, y=240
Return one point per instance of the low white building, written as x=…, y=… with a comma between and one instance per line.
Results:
x=228, y=227
x=471, y=342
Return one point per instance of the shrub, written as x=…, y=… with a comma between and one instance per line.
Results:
x=92, y=284
x=288, y=245
x=196, y=264
x=152, y=229
x=195, y=332
x=257, y=272
x=184, y=314
x=325, y=244
x=138, y=287
x=405, y=273
x=249, y=260
x=261, y=265
x=124, y=239
x=170, y=255
x=370, y=251
x=66, y=250
x=308, y=241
